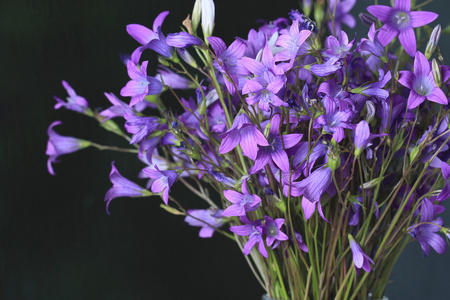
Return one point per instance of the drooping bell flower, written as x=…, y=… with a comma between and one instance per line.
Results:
x=58, y=145
x=163, y=180
x=360, y=259
x=74, y=102
x=254, y=231
x=207, y=219
x=122, y=187
x=242, y=202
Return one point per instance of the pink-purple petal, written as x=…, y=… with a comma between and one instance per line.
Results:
x=421, y=64
x=404, y=5
x=386, y=34
x=415, y=99
x=407, y=79
x=381, y=12
x=438, y=96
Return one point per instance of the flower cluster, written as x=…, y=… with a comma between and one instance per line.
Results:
x=327, y=154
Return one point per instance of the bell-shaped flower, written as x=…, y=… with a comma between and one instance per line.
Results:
x=360, y=259
x=425, y=231
x=243, y=133
x=242, y=202
x=74, y=102
x=140, y=127
x=207, y=219
x=140, y=84
x=400, y=21
x=363, y=137
x=254, y=231
x=149, y=39
x=122, y=187
x=421, y=83
x=163, y=180
x=313, y=186
x=291, y=42
x=117, y=110
x=182, y=39
x=272, y=230
x=58, y=145
x=340, y=11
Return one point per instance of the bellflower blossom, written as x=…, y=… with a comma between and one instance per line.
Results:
x=140, y=84
x=360, y=259
x=400, y=21
x=74, y=102
x=421, y=83
x=122, y=187
x=340, y=12
x=271, y=229
x=244, y=133
x=242, y=202
x=254, y=231
x=149, y=39
x=207, y=219
x=425, y=231
x=58, y=145
x=163, y=180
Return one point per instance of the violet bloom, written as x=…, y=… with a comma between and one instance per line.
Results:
x=228, y=61
x=174, y=80
x=58, y=145
x=334, y=122
x=118, y=108
x=140, y=127
x=301, y=244
x=222, y=178
x=275, y=150
x=360, y=259
x=242, y=202
x=272, y=228
x=338, y=47
x=207, y=219
x=340, y=11
x=74, y=102
x=182, y=40
x=244, y=133
x=291, y=42
x=425, y=231
x=149, y=39
x=254, y=231
x=421, y=83
x=400, y=21
x=363, y=137
x=313, y=186
x=376, y=89
x=163, y=180
x=140, y=84
x=122, y=187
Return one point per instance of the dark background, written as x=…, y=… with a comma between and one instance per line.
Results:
x=56, y=240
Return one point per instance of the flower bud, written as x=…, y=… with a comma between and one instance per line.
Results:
x=367, y=19
x=436, y=70
x=307, y=6
x=196, y=12
x=432, y=43
x=208, y=15
x=187, y=57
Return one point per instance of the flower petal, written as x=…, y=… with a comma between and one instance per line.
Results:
x=404, y=5
x=438, y=96
x=407, y=79
x=421, y=18
x=408, y=40
x=415, y=99
x=381, y=12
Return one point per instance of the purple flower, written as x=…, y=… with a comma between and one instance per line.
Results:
x=149, y=39
x=222, y=178
x=421, y=83
x=340, y=11
x=140, y=127
x=118, y=108
x=241, y=202
x=212, y=218
x=291, y=42
x=122, y=187
x=313, y=186
x=228, y=61
x=254, y=231
x=300, y=243
x=74, y=102
x=272, y=230
x=182, y=40
x=360, y=259
x=334, y=122
x=376, y=89
x=275, y=151
x=58, y=145
x=163, y=180
x=425, y=231
x=363, y=137
x=373, y=44
x=174, y=80
x=338, y=47
x=244, y=133
x=400, y=21
x=140, y=84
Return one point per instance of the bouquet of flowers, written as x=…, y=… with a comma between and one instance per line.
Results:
x=320, y=156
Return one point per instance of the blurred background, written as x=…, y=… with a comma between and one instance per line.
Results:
x=56, y=240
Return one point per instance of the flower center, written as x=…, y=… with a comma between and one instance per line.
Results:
x=423, y=85
x=400, y=20
x=272, y=230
